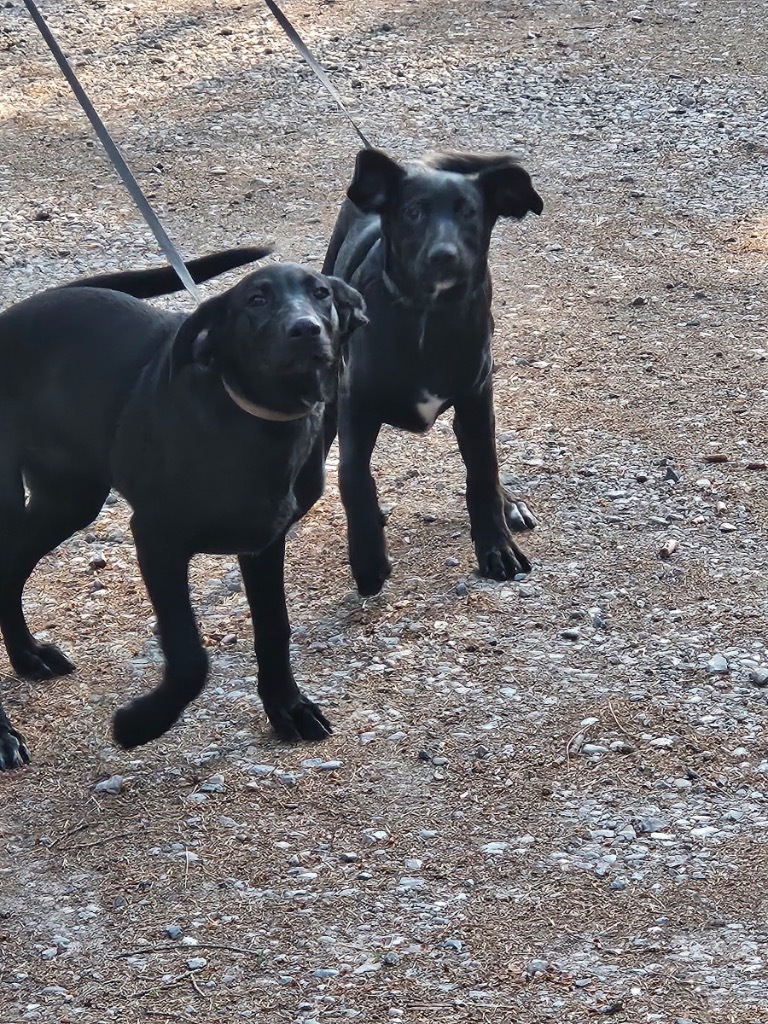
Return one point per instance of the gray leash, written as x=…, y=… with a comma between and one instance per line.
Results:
x=301, y=46
x=115, y=155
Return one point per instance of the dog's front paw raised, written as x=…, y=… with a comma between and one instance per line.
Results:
x=300, y=720
x=369, y=561
x=13, y=749
x=517, y=514
x=502, y=559
x=41, y=661
x=145, y=719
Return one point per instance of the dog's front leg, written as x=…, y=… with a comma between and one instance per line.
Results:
x=165, y=569
x=365, y=520
x=292, y=715
x=492, y=512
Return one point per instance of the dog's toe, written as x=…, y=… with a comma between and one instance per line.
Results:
x=13, y=749
x=43, y=661
x=518, y=516
x=503, y=561
x=302, y=720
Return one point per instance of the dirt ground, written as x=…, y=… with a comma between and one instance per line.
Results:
x=544, y=801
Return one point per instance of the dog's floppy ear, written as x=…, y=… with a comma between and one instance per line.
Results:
x=374, y=181
x=194, y=340
x=350, y=307
x=509, y=191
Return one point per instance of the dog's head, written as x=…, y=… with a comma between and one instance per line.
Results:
x=437, y=214
x=275, y=339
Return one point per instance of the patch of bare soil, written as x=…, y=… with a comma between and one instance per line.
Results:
x=544, y=801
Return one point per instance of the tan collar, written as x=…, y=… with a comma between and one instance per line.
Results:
x=261, y=412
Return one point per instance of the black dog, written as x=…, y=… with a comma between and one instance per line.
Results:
x=413, y=239
x=211, y=425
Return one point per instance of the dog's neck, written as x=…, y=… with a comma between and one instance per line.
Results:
x=261, y=412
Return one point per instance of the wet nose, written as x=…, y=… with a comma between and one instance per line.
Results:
x=305, y=328
x=444, y=258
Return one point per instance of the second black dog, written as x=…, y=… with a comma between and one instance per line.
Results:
x=413, y=239
x=211, y=425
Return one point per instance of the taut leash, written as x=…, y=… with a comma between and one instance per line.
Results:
x=115, y=155
x=303, y=49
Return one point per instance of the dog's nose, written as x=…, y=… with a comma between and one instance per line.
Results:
x=444, y=258
x=304, y=328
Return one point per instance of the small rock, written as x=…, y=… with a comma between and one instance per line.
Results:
x=717, y=665
x=112, y=785
x=759, y=677
x=639, y=300
x=213, y=785
x=325, y=972
x=173, y=931
x=728, y=528
x=537, y=967
x=196, y=963
x=456, y=944
x=330, y=766
x=570, y=634
x=648, y=825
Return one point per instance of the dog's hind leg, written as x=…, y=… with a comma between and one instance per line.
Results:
x=165, y=569
x=490, y=507
x=58, y=506
x=13, y=750
x=292, y=715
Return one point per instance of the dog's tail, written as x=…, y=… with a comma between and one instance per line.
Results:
x=147, y=284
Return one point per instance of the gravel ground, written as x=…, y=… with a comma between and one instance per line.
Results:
x=544, y=801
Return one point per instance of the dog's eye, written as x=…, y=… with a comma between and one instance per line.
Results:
x=414, y=211
x=464, y=209
x=321, y=292
x=257, y=299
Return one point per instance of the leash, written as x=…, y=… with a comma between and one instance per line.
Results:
x=115, y=155
x=303, y=49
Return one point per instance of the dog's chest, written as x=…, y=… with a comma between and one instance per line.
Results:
x=429, y=407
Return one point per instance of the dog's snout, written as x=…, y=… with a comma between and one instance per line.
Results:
x=305, y=328
x=444, y=257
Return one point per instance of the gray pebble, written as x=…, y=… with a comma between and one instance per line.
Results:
x=717, y=665
x=112, y=785
x=570, y=634
x=759, y=677
x=537, y=967
x=196, y=963
x=173, y=931
x=325, y=972
x=213, y=785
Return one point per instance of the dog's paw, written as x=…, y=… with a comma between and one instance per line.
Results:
x=13, y=749
x=143, y=720
x=301, y=720
x=502, y=560
x=517, y=514
x=41, y=661
x=371, y=574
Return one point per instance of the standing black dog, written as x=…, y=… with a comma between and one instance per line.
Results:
x=211, y=425
x=413, y=240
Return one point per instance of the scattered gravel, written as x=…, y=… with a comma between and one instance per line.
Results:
x=544, y=800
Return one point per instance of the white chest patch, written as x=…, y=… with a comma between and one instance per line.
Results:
x=429, y=407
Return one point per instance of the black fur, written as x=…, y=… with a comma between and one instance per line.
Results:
x=413, y=239
x=99, y=390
